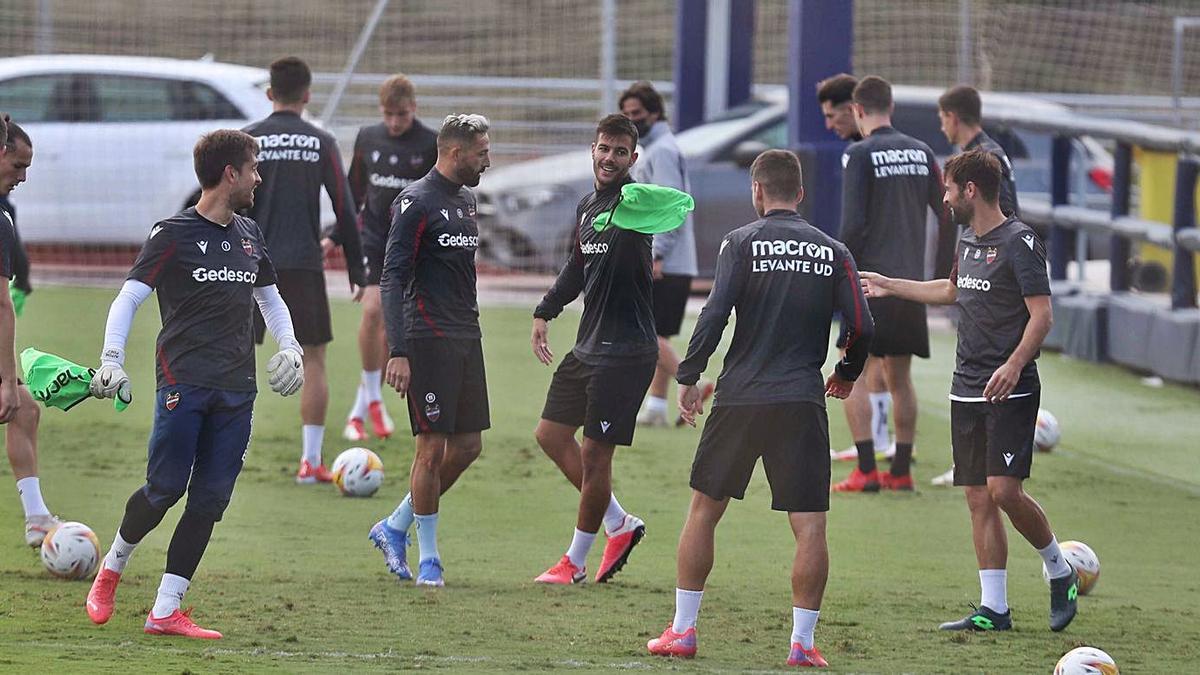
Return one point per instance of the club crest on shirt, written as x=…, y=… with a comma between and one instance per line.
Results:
x=248, y=247
x=471, y=210
x=415, y=160
x=991, y=255
x=171, y=400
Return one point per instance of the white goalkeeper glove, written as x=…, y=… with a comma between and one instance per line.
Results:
x=111, y=381
x=287, y=372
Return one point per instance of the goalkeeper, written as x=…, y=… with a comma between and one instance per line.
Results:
x=599, y=384
x=210, y=269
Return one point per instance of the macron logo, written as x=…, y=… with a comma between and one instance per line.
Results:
x=404, y=204
x=1008, y=458
x=604, y=427
x=1028, y=239
x=155, y=231
x=203, y=247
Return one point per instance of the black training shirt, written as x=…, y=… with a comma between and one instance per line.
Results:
x=890, y=181
x=428, y=282
x=613, y=270
x=994, y=274
x=205, y=275
x=786, y=279
x=295, y=160
x=381, y=167
x=1008, y=185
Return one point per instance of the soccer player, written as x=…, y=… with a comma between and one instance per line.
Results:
x=18, y=410
x=387, y=157
x=211, y=268
x=295, y=160
x=961, y=115
x=600, y=383
x=835, y=95
x=890, y=179
x=1000, y=285
x=431, y=311
x=786, y=279
x=662, y=163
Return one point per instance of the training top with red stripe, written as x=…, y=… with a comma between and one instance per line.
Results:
x=428, y=284
x=205, y=274
x=786, y=279
x=295, y=159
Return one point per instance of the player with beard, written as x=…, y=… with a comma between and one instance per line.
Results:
x=600, y=384
x=387, y=157
x=431, y=310
x=211, y=269
x=999, y=283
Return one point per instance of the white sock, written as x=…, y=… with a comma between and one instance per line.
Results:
x=372, y=381
x=803, y=623
x=118, y=555
x=402, y=518
x=881, y=407
x=427, y=536
x=314, y=436
x=359, y=411
x=687, y=608
x=614, y=516
x=170, y=595
x=656, y=404
x=995, y=590
x=1056, y=564
x=30, y=490
x=581, y=543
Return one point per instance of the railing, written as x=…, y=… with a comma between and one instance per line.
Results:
x=1180, y=236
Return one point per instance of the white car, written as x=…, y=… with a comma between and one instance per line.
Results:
x=113, y=138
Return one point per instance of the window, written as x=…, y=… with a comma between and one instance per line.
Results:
x=197, y=101
x=133, y=99
x=774, y=136
x=34, y=98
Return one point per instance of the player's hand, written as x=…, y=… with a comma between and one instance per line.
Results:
x=540, y=341
x=111, y=381
x=327, y=246
x=874, y=285
x=690, y=403
x=357, y=292
x=287, y=372
x=10, y=400
x=836, y=387
x=398, y=374
x=656, y=271
x=1002, y=383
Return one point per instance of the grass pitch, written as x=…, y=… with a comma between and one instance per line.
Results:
x=292, y=581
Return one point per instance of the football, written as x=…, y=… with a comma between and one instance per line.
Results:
x=358, y=472
x=71, y=551
x=1046, y=434
x=1087, y=565
x=1086, y=661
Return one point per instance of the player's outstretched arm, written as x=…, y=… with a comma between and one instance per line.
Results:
x=858, y=327
x=935, y=292
x=338, y=188
x=1005, y=379
x=10, y=395
x=110, y=379
x=728, y=283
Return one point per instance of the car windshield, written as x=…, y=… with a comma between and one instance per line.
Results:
x=713, y=135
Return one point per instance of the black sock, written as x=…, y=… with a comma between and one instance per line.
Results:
x=866, y=455
x=902, y=460
x=188, y=543
x=140, y=517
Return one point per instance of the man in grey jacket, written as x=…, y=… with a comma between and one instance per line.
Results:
x=662, y=163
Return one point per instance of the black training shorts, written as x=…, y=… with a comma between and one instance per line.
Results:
x=604, y=400
x=900, y=328
x=670, y=295
x=993, y=439
x=791, y=438
x=304, y=293
x=448, y=390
